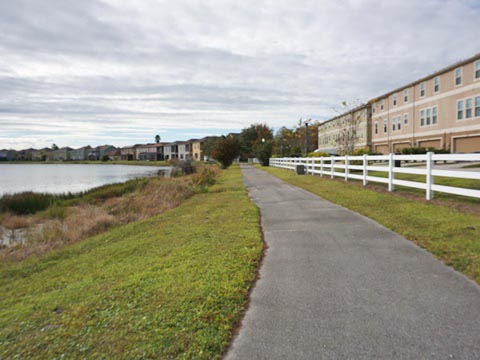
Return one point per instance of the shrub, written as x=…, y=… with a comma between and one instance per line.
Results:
x=206, y=177
x=319, y=154
x=25, y=203
x=263, y=152
x=105, y=158
x=226, y=150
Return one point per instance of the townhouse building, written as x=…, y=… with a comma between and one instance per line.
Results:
x=439, y=111
x=150, y=152
x=197, y=148
x=346, y=132
x=128, y=152
x=80, y=154
x=98, y=152
x=170, y=151
x=61, y=154
x=185, y=149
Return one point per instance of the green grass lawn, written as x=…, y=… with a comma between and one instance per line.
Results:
x=439, y=180
x=172, y=286
x=451, y=235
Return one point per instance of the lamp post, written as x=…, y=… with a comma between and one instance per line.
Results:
x=306, y=137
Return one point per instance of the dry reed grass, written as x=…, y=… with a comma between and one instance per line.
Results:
x=81, y=221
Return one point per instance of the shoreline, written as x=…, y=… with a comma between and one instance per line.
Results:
x=89, y=162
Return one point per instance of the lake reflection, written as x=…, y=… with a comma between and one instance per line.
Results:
x=63, y=178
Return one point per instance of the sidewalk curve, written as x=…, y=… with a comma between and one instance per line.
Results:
x=337, y=285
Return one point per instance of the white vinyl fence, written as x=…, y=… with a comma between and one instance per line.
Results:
x=330, y=166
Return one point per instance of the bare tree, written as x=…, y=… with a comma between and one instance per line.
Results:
x=350, y=118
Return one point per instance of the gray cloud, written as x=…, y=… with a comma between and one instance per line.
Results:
x=79, y=71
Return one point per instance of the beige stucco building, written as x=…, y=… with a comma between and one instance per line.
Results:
x=440, y=111
x=354, y=125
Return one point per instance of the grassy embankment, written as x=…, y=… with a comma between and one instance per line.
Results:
x=171, y=286
x=451, y=234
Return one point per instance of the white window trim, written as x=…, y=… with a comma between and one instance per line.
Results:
x=424, y=90
x=436, y=77
x=455, y=77
x=474, y=65
x=375, y=128
x=464, y=109
x=395, y=100
x=405, y=95
x=425, y=117
x=408, y=119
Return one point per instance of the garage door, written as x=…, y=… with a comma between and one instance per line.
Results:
x=467, y=145
x=381, y=149
x=399, y=147
x=430, y=144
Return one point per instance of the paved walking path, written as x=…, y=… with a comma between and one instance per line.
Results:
x=337, y=285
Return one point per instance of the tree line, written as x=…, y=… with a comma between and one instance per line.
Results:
x=261, y=142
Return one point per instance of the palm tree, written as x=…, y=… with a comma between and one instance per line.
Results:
x=157, y=138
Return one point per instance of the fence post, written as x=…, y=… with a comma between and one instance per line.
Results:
x=390, y=173
x=347, y=162
x=313, y=166
x=429, y=190
x=332, y=163
x=321, y=166
x=365, y=170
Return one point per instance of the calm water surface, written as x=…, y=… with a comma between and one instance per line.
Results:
x=63, y=178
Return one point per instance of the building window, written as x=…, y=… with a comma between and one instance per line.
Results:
x=422, y=89
x=385, y=125
x=376, y=126
x=460, y=110
x=395, y=98
x=429, y=111
x=436, y=84
x=434, y=116
x=399, y=123
x=458, y=76
x=477, y=69
x=405, y=119
x=468, y=108
x=382, y=103
x=394, y=123
x=477, y=106
x=405, y=95
x=422, y=117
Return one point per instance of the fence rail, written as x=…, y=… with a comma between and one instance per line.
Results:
x=362, y=165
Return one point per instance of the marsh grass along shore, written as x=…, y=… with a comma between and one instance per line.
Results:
x=33, y=223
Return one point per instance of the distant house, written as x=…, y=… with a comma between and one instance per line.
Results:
x=7, y=155
x=80, y=154
x=198, y=148
x=114, y=155
x=129, y=152
x=185, y=150
x=25, y=154
x=61, y=154
x=150, y=152
x=98, y=152
x=170, y=151
x=41, y=154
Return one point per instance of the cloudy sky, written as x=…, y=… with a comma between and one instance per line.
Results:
x=120, y=71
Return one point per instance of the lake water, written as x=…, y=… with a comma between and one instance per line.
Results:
x=63, y=178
